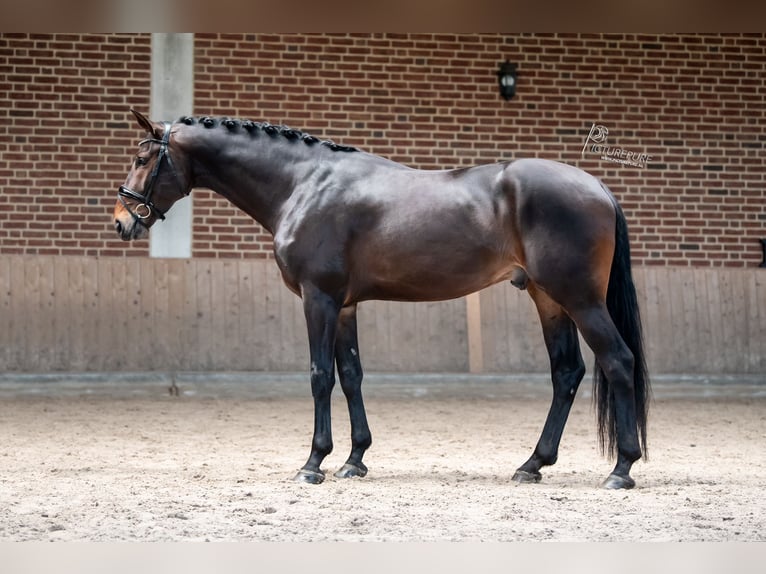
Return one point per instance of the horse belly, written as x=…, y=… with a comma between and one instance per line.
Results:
x=443, y=271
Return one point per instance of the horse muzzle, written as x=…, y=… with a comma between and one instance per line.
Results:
x=128, y=231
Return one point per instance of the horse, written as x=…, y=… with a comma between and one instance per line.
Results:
x=350, y=226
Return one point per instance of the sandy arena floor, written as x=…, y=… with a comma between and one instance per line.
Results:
x=121, y=459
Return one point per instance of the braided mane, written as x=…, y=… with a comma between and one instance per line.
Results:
x=253, y=128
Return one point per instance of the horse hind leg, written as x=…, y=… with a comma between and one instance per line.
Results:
x=618, y=423
x=350, y=374
x=567, y=371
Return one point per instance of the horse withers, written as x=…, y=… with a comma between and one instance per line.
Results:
x=349, y=226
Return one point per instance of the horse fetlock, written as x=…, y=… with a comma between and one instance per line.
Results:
x=545, y=454
x=630, y=455
x=361, y=440
x=548, y=459
x=321, y=448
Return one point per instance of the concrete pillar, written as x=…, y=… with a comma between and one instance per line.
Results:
x=172, y=96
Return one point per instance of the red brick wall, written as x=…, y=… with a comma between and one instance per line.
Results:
x=694, y=102
x=65, y=138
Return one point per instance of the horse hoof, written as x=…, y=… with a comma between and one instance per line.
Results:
x=524, y=477
x=351, y=471
x=309, y=476
x=615, y=482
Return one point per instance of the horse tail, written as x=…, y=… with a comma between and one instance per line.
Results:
x=622, y=304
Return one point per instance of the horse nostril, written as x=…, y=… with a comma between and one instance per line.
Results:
x=118, y=226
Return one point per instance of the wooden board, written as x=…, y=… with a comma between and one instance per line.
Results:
x=139, y=314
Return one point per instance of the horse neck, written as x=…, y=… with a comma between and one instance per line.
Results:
x=256, y=174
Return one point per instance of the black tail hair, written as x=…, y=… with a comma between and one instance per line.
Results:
x=622, y=303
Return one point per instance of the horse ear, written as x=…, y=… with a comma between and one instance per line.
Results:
x=154, y=130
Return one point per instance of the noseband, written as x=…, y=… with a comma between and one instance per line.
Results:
x=146, y=207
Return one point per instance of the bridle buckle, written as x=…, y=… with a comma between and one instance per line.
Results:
x=147, y=213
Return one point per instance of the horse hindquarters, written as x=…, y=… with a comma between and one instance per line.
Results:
x=576, y=251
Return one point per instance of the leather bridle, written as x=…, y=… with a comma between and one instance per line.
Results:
x=145, y=208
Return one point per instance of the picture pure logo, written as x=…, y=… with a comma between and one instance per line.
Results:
x=596, y=143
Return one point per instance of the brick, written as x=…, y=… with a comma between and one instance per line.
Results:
x=427, y=100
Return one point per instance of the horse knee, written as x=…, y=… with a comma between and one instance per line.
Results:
x=322, y=382
x=350, y=372
x=350, y=378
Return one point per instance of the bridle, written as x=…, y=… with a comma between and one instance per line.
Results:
x=145, y=208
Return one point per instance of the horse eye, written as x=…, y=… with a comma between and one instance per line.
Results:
x=141, y=161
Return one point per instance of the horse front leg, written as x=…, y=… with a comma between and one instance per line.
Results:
x=350, y=372
x=321, y=319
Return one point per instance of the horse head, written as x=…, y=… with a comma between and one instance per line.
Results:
x=150, y=188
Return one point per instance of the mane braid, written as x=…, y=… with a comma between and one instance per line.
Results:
x=252, y=128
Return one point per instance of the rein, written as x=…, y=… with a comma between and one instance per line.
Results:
x=144, y=201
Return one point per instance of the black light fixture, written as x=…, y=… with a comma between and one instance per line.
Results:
x=763, y=247
x=506, y=79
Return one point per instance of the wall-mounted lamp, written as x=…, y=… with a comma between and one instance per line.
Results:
x=506, y=78
x=763, y=247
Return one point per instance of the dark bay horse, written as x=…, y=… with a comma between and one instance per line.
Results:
x=349, y=226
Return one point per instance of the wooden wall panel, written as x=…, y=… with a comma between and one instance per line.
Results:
x=401, y=337
x=755, y=289
x=17, y=308
x=512, y=339
x=141, y=314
